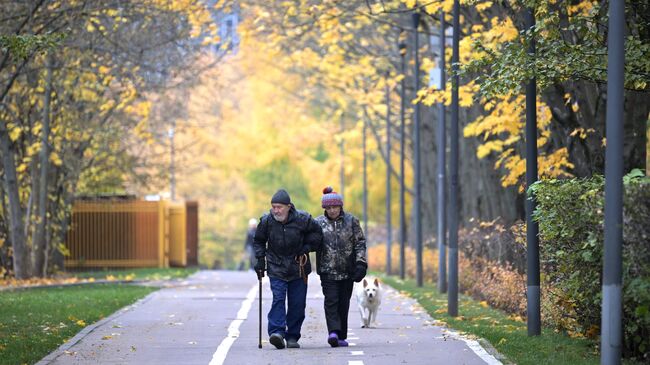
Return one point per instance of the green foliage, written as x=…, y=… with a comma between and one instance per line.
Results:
x=571, y=44
x=34, y=322
x=570, y=214
x=22, y=46
x=281, y=173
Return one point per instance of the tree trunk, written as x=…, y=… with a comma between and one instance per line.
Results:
x=21, y=256
x=39, y=239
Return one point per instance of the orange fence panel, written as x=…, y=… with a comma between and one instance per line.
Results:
x=177, y=238
x=127, y=233
x=192, y=232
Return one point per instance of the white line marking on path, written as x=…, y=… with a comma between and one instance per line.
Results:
x=476, y=347
x=355, y=362
x=233, y=330
x=356, y=353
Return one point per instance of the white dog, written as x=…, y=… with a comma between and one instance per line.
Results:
x=368, y=300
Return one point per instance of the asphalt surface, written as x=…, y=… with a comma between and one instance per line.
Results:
x=212, y=318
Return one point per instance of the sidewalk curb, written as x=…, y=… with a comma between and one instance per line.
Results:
x=90, y=328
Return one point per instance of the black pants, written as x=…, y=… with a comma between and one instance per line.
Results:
x=337, y=304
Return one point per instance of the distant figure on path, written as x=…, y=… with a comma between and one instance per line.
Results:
x=283, y=239
x=340, y=261
x=249, y=252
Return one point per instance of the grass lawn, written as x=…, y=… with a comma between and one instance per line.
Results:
x=506, y=333
x=34, y=322
x=136, y=274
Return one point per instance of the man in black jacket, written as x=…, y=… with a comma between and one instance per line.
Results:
x=283, y=239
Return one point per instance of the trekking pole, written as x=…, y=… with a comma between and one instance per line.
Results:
x=259, y=278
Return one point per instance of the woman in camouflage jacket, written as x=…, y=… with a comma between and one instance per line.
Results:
x=340, y=261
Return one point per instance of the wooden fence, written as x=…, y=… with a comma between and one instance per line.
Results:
x=132, y=233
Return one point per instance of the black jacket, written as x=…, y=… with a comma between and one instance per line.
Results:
x=285, y=242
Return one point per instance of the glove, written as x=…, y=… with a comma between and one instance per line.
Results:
x=260, y=266
x=359, y=271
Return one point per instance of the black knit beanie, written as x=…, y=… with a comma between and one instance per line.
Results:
x=281, y=197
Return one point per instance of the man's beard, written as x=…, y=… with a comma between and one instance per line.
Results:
x=280, y=218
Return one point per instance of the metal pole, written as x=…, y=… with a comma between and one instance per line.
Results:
x=172, y=170
x=402, y=202
x=389, y=228
x=416, y=129
x=611, y=327
x=532, y=256
x=452, y=293
x=342, y=185
x=365, y=179
x=442, y=196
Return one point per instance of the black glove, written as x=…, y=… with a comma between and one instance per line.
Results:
x=260, y=266
x=360, y=271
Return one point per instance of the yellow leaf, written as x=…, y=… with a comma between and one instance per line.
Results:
x=21, y=168
x=14, y=133
x=55, y=159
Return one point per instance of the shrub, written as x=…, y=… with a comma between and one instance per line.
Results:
x=570, y=214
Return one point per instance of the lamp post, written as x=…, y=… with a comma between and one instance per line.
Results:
x=452, y=292
x=402, y=202
x=342, y=185
x=389, y=228
x=532, y=240
x=611, y=326
x=172, y=170
x=442, y=185
x=365, y=178
x=416, y=128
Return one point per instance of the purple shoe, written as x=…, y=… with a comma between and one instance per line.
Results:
x=333, y=339
x=343, y=343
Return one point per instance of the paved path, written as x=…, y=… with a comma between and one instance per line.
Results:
x=212, y=318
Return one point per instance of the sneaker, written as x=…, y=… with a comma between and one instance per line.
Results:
x=293, y=344
x=277, y=340
x=343, y=343
x=333, y=339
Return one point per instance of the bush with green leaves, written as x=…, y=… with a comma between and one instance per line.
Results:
x=570, y=214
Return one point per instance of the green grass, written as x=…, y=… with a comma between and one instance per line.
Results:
x=34, y=322
x=137, y=274
x=505, y=333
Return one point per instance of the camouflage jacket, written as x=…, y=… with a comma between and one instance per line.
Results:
x=343, y=246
